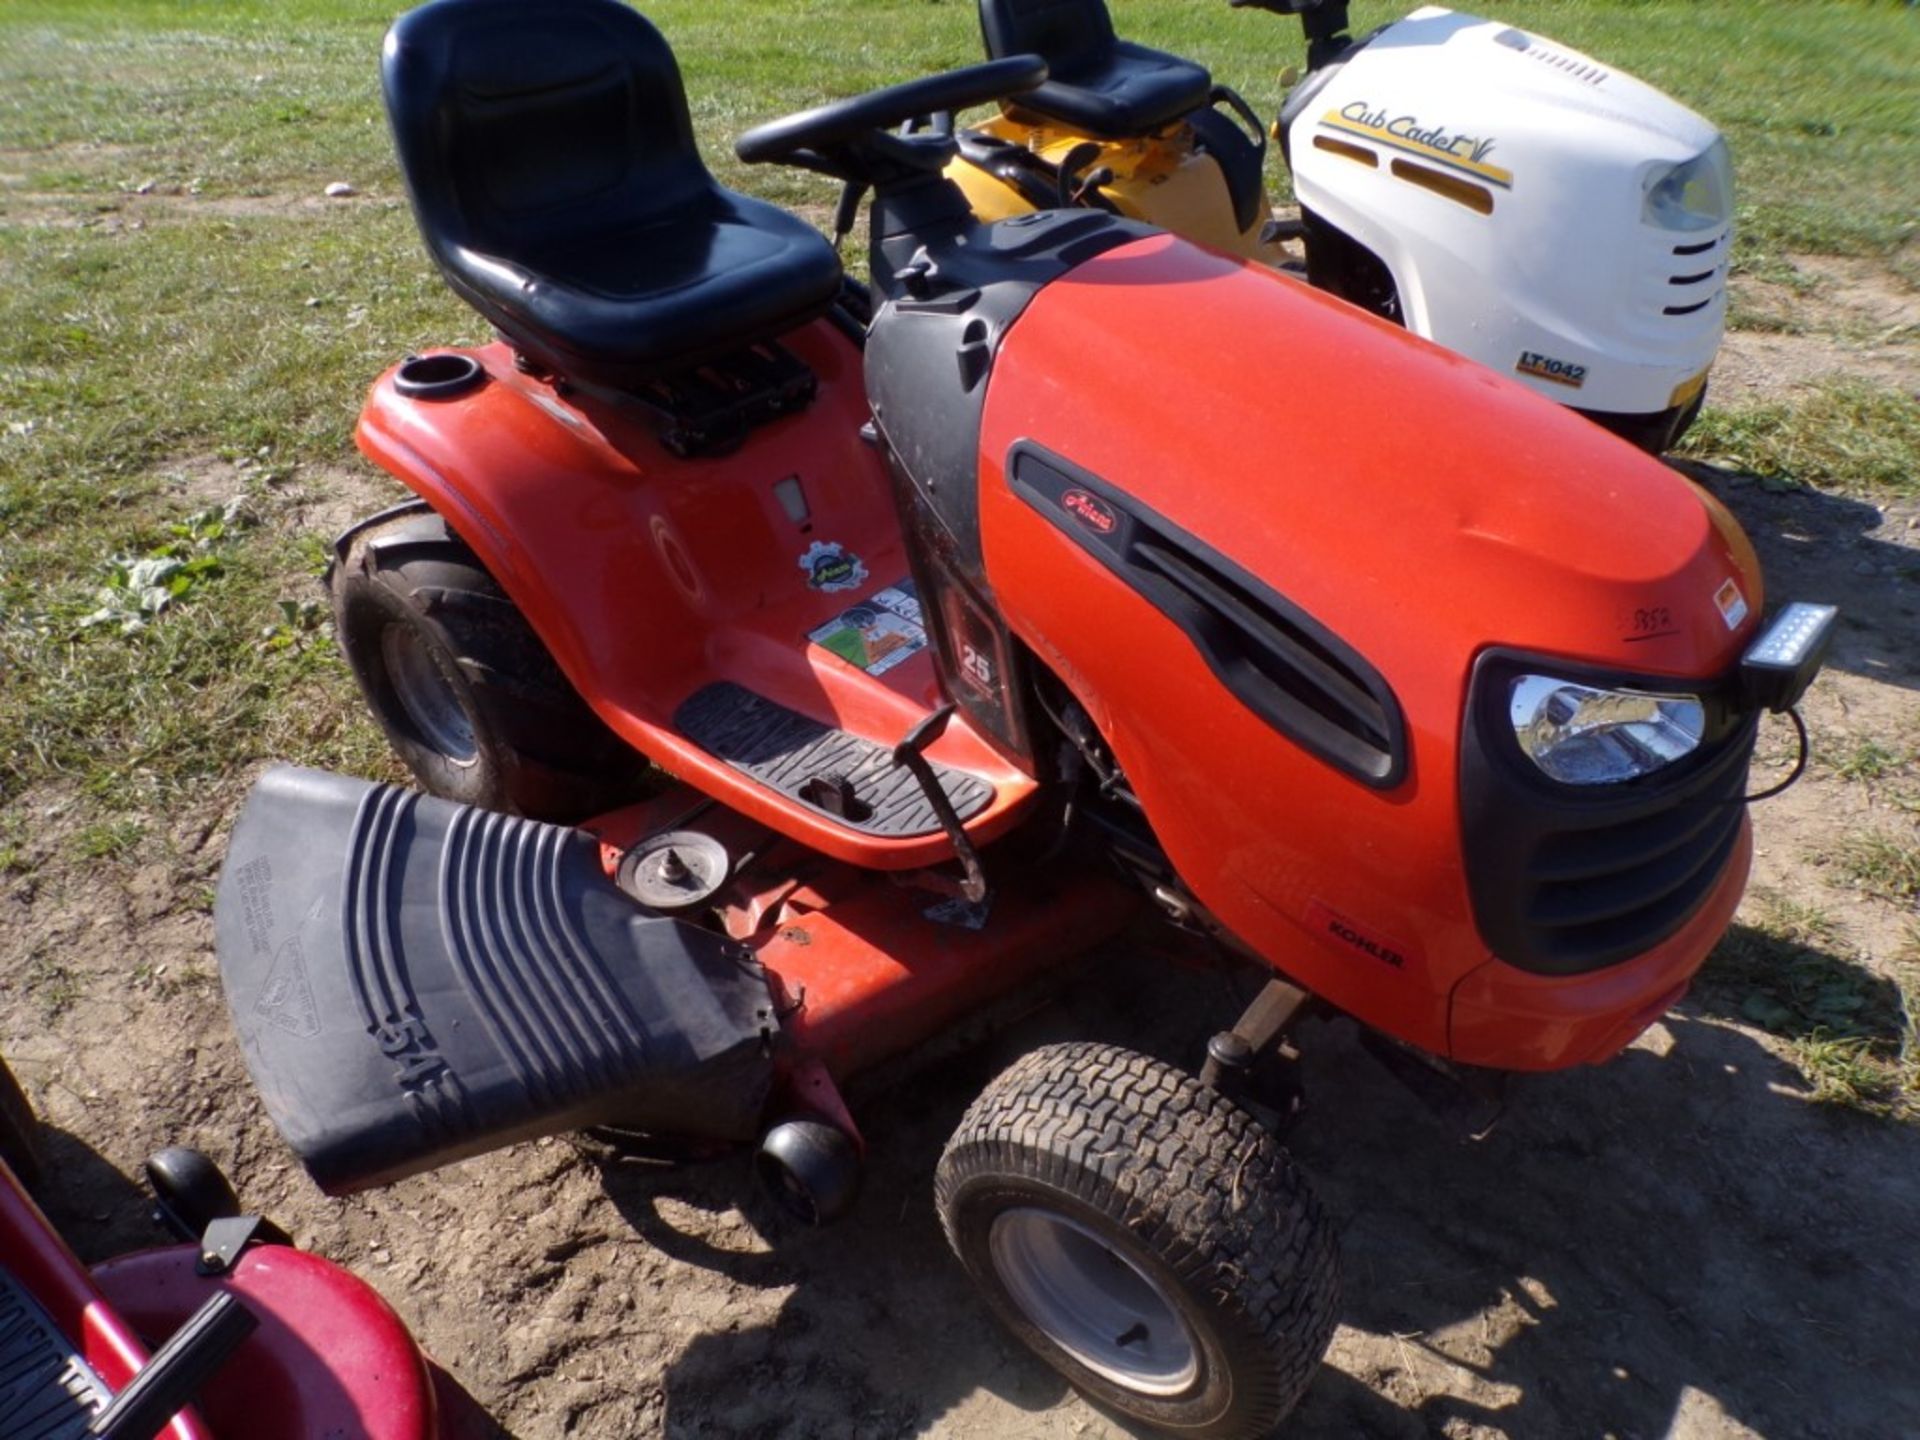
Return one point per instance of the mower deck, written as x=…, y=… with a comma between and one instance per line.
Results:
x=863, y=967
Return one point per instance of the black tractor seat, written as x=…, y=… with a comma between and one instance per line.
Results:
x=1100, y=84
x=550, y=157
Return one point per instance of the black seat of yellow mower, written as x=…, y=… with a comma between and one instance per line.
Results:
x=550, y=157
x=1099, y=83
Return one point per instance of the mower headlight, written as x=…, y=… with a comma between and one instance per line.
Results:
x=1580, y=735
x=1696, y=195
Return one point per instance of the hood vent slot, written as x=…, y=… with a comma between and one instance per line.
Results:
x=1584, y=71
x=1278, y=661
x=1270, y=651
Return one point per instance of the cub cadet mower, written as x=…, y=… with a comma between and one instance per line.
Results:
x=1498, y=193
x=260, y=1340
x=1416, y=694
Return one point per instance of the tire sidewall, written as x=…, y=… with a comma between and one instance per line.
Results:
x=363, y=610
x=1224, y=1349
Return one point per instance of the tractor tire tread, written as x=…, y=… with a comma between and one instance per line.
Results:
x=1190, y=1173
x=556, y=759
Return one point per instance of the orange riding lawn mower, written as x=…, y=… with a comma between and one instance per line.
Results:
x=1072, y=571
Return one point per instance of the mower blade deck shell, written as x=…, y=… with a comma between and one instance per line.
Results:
x=864, y=969
x=416, y=981
x=328, y=1356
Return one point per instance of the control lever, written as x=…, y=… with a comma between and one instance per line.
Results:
x=847, y=213
x=1075, y=187
x=910, y=752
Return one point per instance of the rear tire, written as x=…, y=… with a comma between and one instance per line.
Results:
x=1145, y=1237
x=19, y=1130
x=465, y=691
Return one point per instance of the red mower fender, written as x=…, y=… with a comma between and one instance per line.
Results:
x=1504, y=1018
x=329, y=1359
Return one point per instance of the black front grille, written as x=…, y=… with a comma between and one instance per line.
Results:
x=1567, y=879
x=46, y=1390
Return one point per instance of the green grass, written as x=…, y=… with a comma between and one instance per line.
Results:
x=1848, y=1030
x=108, y=839
x=1881, y=864
x=1852, y=436
x=177, y=298
x=1868, y=760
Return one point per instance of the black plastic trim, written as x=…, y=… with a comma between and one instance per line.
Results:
x=1656, y=433
x=1034, y=178
x=51, y=1391
x=1569, y=879
x=438, y=377
x=415, y=981
x=178, y=1371
x=1279, y=661
x=931, y=349
x=786, y=751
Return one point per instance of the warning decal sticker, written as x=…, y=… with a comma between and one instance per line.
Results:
x=878, y=633
x=1732, y=604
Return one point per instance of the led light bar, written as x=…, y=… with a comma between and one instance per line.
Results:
x=1780, y=665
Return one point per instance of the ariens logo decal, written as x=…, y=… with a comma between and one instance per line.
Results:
x=1466, y=153
x=1545, y=367
x=1094, y=514
x=1337, y=927
x=830, y=567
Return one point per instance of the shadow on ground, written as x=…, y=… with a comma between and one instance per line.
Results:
x=1680, y=1236
x=98, y=1211
x=1839, y=551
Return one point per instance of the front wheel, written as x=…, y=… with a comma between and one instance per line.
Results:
x=1145, y=1237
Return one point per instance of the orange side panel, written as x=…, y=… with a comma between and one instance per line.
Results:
x=1418, y=505
x=863, y=968
x=649, y=576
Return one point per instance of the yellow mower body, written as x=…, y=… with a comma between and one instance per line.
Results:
x=1165, y=179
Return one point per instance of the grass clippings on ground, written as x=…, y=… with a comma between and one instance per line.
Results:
x=1853, y=437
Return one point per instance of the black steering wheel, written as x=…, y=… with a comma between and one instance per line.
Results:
x=805, y=137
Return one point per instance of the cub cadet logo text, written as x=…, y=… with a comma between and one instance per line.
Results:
x=1088, y=511
x=1467, y=153
x=1545, y=367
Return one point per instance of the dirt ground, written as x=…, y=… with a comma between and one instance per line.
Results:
x=1680, y=1243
